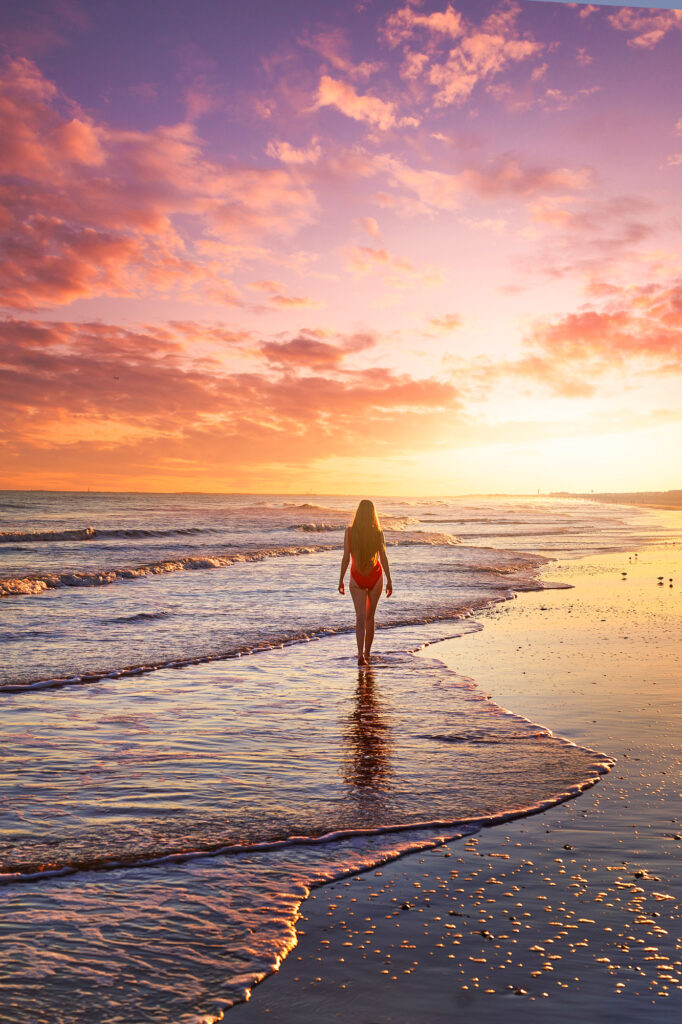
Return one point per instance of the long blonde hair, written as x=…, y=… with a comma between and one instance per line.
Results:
x=365, y=534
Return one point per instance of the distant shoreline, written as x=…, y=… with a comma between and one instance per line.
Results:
x=670, y=500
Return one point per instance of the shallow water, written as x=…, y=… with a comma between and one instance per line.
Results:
x=288, y=766
x=295, y=743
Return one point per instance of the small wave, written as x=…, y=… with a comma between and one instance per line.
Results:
x=306, y=506
x=318, y=527
x=272, y=643
x=464, y=826
x=141, y=617
x=481, y=737
x=423, y=537
x=30, y=585
x=90, y=533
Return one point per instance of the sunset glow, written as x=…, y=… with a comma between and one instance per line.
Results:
x=302, y=247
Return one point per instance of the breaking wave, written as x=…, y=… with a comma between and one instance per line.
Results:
x=91, y=533
x=28, y=585
x=15, y=586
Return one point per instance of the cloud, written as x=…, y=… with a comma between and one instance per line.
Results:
x=647, y=27
x=307, y=352
x=456, y=55
x=590, y=237
x=403, y=23
x=54, y=26
x=333, y=46
x=558, y=99
x=371, y=110
x=395, y=271
x=370, y=225
x=638, y=330
x=288, y=154
x=131, y=403
x=89, y=209
x=276, y=292
x=640, y=322
x=447, y=323
x=505, y=177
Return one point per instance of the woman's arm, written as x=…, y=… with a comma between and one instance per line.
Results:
x=383, y=558
x=345, y=560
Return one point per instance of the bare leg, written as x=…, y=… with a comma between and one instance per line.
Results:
x=360, y=601
x=372, y=601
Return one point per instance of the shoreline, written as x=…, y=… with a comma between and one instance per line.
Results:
x=330, y=973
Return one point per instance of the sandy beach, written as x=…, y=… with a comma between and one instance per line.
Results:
x=571, y=914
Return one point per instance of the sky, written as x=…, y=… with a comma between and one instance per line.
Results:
x=373, y=247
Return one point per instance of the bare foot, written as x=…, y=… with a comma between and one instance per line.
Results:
x=362, y=660
x=367, y=659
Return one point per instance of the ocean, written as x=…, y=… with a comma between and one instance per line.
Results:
x=189, y=745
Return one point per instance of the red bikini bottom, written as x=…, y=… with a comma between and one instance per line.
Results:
x=367, y=582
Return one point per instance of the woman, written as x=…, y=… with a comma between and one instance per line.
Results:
x=364, y=544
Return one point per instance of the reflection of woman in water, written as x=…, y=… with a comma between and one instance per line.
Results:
x=368, y=736
x=364, y=544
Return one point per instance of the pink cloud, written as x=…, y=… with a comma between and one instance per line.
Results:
x=89, y=209
x=332, y=44
x=403, y=23
x=289, y=154
x=503, y=178
x=473, y=54
x=371, y=110
x=308, y=352
x=277, y=296
x=642, y=322
x=395, y=271
x=647, y=27
x=370, y=226
x=590, y=237
x=47, y=29
x=638, y=330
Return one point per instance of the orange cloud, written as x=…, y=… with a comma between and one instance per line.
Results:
x=446, y=324
x=277, y=296
x=397, y=272
x=130, y=405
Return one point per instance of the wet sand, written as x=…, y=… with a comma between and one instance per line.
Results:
x=572, y=914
